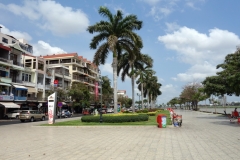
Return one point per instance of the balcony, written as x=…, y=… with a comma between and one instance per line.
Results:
x=18, y=98
x=16, y=81
x=30, y=84
x=40, y=86
x=6, y=98
x=48, y=87
x=17, y=63
x=5, y=79
x=42, y=99
x=6, y=61
x=31, y=98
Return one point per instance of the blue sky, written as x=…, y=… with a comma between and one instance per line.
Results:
x=186, y=38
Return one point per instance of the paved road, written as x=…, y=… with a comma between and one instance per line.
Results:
x=203, y=136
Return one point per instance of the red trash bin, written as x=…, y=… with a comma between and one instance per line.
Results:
x=161, y=120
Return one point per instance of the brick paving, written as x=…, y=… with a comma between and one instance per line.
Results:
x=203, y=136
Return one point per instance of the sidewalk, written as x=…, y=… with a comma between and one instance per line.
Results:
x=203, y=136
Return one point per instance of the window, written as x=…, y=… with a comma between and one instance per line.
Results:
x=13, y=41
x=26, y=77
x=5, y=40
x=23, y=93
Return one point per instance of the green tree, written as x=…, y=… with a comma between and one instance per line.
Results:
x=80, y=94
x=130, y=65
x=115, y=35
x=143, y=78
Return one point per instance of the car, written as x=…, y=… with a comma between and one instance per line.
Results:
x=110, y=110
x=13, y=114
x=65, y=114
x=31, y=115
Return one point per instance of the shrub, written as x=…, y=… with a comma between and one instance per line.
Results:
x=142, y=111
x=116, y=119
x=151, y=113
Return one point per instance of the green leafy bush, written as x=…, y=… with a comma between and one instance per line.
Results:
x=116, y=119
x=143, y=111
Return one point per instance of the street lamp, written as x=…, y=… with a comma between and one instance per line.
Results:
x=139, y=100
x=100, y=82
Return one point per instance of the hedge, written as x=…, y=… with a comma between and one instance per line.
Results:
x=116, y=119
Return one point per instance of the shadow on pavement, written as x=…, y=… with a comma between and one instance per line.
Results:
x=227, y=123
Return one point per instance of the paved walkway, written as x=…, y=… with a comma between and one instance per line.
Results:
x=203, y=136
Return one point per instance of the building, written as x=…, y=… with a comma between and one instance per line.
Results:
x=122, y=93
x=69, y=67
x=12, y=53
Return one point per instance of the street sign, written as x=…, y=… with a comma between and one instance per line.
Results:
x=55, y=81
x=59, y=104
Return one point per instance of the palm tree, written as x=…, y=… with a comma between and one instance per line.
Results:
x=130, y=65
x=152, y=88
x=115, y=35
x=143, y=77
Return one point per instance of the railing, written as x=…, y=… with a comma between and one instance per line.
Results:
x=6, y=60
x=48, y=86
x=42, y=99
x=79, y=79
x=18, y=98
x=29, y=84
x=59, y=72
x=32, y=98
x=16, y=80
x=6, y=97
x=39, y=85
x=6, y=79
x=17, y=63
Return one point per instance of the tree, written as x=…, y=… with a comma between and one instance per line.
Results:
x=80, y=94
x=130, y=66
x=115, y=35
x=152, y=88
x=107, y=90
x=143, y=76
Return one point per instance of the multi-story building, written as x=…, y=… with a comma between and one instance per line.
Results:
x=73, y=68
x=12, y=53
x=121, y=93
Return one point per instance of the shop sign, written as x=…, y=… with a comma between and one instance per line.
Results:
x=6, y=98
x=52, y=100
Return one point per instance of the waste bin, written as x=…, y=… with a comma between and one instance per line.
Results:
x=162, y=121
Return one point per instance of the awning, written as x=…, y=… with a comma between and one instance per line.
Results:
x=4, y=47
x=9, y=105
x=5, y=84
x=19, y=87
x=32, y=90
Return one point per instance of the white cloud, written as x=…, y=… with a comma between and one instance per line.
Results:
x=43, y=48
x=169, y=91
x=107, y=67
x=194, y=47
x=52, y=16
x=172, y=27
x=203, y=52
x=152, y=2
x=16, y=34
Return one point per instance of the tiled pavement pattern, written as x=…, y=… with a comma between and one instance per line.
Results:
x=202, y=137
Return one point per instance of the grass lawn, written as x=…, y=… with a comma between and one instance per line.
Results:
x=151, y=121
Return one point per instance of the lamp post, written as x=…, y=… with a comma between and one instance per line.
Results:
x=100, y=82
x=139, y=100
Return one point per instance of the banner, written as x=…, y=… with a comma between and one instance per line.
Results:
x=52, y=101
x=96, y=91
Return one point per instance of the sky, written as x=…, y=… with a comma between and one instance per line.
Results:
x=185, y=38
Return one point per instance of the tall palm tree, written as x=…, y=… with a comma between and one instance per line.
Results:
x=129, y=64
x=151, y=89
x=154, y=89
x=143, y=77
x=115, y=35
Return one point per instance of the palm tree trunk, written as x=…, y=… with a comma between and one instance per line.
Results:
x=114, y=65
x=151, y=102
x=148, y=99
x=142, y=93
x=133, y=99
